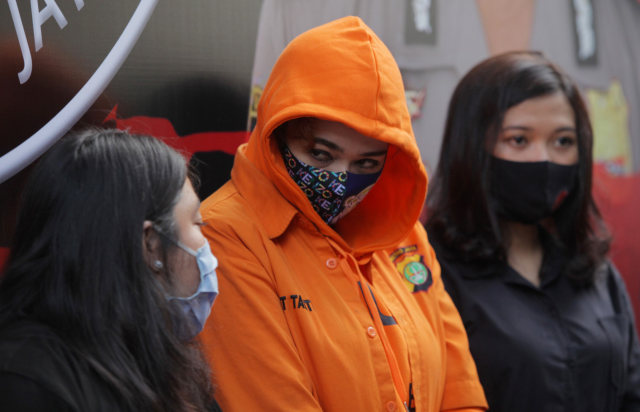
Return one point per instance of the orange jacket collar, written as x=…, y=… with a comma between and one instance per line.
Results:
x=274, y=212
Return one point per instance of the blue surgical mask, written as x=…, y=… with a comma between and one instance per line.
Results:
x=197, y=307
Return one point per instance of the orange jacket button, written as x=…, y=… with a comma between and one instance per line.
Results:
x=391, y=406
x=332, y=263
x=371, y=331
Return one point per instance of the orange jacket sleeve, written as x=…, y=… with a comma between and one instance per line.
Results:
x=275, y=377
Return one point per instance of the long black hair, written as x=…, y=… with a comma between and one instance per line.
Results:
x=459, y=212
x=77, y=265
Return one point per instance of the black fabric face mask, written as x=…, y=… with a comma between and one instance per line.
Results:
x=528, y=192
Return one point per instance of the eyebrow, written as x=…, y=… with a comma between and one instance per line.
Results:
x=337, y=148
x=373, y=154
x=559, y=129
x=329, y=144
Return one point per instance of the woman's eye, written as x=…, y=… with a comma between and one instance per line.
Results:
x=566, y=141
x=367, y=163
x=518, y=140
x=201, y=224
x=321, y=155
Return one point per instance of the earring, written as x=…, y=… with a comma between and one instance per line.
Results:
x=158, y=264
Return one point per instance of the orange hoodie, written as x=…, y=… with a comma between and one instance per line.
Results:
x=346, y=318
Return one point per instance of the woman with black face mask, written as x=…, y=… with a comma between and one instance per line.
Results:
x=522, y=245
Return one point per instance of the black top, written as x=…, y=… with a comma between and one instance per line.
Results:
x=558, y=347
x=40, y=372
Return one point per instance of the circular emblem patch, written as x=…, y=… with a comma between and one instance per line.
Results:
x=416, y=273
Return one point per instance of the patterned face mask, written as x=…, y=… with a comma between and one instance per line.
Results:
x=332, y=194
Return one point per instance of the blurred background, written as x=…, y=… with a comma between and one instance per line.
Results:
x=196, y=72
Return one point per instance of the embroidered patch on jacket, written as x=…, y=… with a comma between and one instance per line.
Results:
x=416, y=275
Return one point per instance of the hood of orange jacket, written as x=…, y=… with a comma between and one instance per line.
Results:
x=341, y=71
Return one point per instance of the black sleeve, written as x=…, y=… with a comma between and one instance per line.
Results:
x=631, y=399
x=18, y=393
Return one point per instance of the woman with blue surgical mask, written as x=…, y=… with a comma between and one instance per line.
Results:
x=522, y=245
x=108, y=282
x=192, y=282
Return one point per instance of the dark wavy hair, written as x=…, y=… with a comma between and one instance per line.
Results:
x=459, y=213
x=77, y=265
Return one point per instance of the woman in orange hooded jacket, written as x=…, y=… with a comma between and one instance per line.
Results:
x=330, y=299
